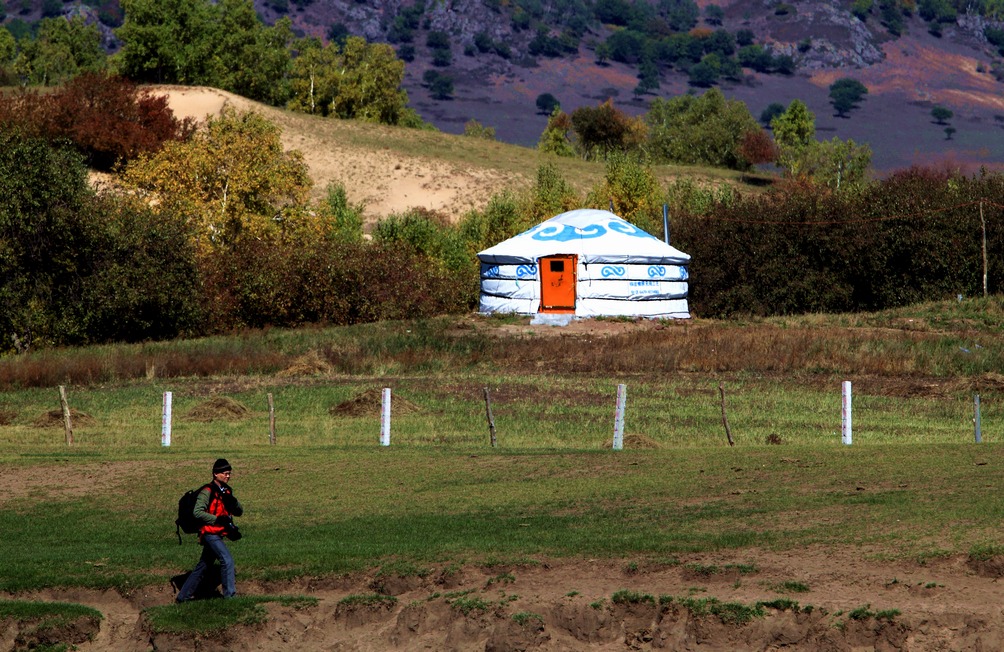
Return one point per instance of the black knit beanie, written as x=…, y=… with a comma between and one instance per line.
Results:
x=221, y=466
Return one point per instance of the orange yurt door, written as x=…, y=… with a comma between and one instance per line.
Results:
x=557, y=283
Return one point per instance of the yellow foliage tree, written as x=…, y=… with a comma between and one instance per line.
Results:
x=232, y=178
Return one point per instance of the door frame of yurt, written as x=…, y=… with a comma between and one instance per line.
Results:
x=557, y=283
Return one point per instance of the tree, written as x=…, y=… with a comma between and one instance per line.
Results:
x=441, y=87
x=166, y=41
x=773, y=110
x=704, y=73
x=221, y=44
x=704, y=130
x=359, y=80
x=757, y=148
x=714, y=15
x=949, y=132
x=941, y=115
x=232, y=178
x=838, y=164
x=603, y=129
x=554, y=139
x=547, y=103
x=111, y=121
x=793, y=130
x=845, y=94
x=63, y=49
x=250, y=58
x=44, y=189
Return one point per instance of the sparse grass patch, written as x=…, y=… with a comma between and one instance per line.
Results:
x=468, y=604
x=528, y=619
x=790, y=586
x=625, y=596
x=368, y=600
x=208, y=616
x=730, y=613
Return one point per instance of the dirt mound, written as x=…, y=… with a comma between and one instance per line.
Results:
x=219, y=408
x=54, y=418
x=310, y=363
x=368, y=404
x=634, y=442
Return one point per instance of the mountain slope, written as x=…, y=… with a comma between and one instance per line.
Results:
x=906, y=76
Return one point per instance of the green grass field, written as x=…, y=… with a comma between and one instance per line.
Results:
x=328, y=499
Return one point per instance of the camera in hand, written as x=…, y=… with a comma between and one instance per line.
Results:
x=230, y=529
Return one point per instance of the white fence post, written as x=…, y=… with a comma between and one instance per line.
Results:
x=619, y=417
x=165, y=420
x=845, y=414
x=385, y=418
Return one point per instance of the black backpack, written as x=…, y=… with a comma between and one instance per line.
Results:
x=186, y=521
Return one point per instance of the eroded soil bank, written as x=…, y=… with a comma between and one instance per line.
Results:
x=847, y=599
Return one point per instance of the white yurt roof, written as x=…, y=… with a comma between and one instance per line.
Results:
x=595, y=236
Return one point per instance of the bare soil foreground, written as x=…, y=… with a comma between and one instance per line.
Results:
x=854, y=601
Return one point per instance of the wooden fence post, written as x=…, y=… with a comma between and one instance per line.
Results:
x=65, y=405
x=271, y=420
x=491, y=419
x=725, y=419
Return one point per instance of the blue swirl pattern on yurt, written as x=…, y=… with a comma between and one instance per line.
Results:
x=629, y=229
x=568, y=232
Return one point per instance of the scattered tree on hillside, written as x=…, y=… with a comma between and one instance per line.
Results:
x=714, y=15
x=232, y=178
x=949, y=132
x=941, y=115
x=440, y=86
x=773, y=110
x=547, y=103
x=846, y=94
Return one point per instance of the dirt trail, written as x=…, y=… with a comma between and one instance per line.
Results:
x=565, y=605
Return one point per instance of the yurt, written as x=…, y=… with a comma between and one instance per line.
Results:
x=586, y=263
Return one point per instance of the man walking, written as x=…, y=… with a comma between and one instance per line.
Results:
x=215, y=507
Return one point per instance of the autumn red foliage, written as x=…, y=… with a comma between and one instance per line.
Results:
x=109, y=119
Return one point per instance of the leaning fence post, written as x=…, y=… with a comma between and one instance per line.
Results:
x=976, y=418
x=491, y=419
x=725, y=419
x=846, y=434
x=165, y=420
x=271, y=420
x=619, y=417
x=65, y=405
x=385, y=418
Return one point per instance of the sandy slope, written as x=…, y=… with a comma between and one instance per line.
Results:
x=383, y=181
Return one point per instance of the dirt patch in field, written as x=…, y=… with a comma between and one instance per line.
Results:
x=369, y=403
x=634, y=442
x=7, y=417
x=219, y=408
x=311, y=363
x=54, y=419
x=806, y=600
